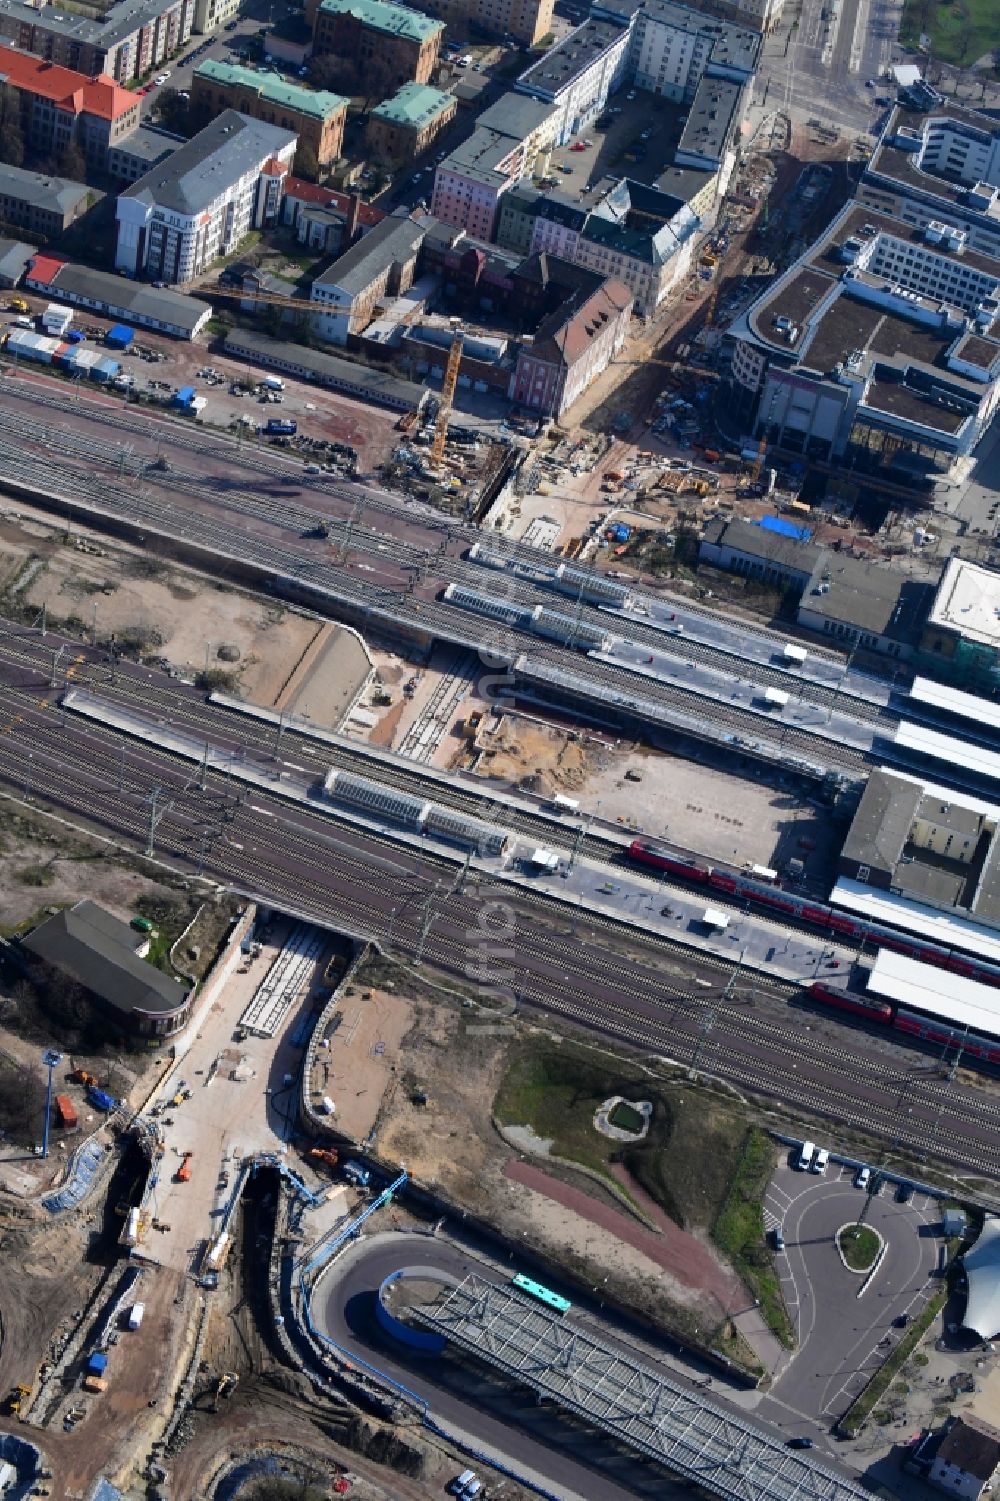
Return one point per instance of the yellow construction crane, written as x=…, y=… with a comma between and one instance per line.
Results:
x=447, y=397
x=758, y=462
x=710, y=306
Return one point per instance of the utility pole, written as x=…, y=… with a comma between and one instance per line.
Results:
x=279, y=731
x=427, y=916
x=204, y=768
x=56, y=654
x=50, y=1060
x=155, y=816
x=706, y=1027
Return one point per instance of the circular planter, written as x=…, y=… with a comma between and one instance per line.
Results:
x=876, y=1242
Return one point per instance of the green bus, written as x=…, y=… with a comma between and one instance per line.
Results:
x=541, y=1294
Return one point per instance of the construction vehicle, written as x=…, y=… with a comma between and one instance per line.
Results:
x=15, y=1397
x=448, y=387
x=81, y=1076
x=225, y=1385
x=328, y=1155
x=183, y=1173
x=18, y=305
x=95, y=1384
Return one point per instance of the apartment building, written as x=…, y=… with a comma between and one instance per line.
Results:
x=316, y=116
x=130, y=39
x=391, y=43
x=403, y=127
x=673, y=47
x=200, y=202
x=526, y=21
x=571, y=348
x=209, y=15
x=60, y=108
x=879, y=347
x=511, y=141
x=45, y=206
x=577, y=74
x=382, y=264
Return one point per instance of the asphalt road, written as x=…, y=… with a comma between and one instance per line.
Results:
x=463, y=1398
x=342, y=1309
x=395, y=569
x=839, y=1335
x=581, y=968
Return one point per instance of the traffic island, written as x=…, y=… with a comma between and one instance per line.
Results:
x=859, y=1246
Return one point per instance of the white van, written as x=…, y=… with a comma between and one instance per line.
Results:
x=805, y=1157
x=272, y=383
x=466, y=1477
x=820, y=1161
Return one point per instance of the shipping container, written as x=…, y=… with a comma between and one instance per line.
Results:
x=106, y=369
x=65, y=1113
x=135, y=1315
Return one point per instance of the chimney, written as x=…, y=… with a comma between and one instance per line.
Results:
x=353, y=215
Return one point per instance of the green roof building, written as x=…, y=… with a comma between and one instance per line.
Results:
x=405, y=125
x=315, y=115
x=388, y=45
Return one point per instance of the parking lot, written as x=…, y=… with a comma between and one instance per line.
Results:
x=635, y=138
x=842, y=1338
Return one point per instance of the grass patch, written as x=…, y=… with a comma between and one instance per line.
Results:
x=625, y=1117
x=36, y=875
x=962, y=31
x=858, y=1413
x=739, y=1230
x=685, y=1161
x=859, y=1246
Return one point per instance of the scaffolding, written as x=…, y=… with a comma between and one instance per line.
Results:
x=701, y=1441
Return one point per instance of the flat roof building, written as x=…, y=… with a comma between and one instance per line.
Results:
x=880, y=346
x=200, y=202
x=578, y=73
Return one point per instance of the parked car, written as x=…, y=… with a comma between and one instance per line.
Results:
x=799, y=1443
x=862, y=1177
x=778, y=1238
x=904, y=1193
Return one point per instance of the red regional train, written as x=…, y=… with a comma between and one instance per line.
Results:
x=817, y=915
x=928, y=1028
x=804, y=910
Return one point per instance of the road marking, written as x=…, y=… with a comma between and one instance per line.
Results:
x=267, y=812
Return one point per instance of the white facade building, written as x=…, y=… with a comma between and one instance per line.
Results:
x=577, y=74
x=201, y=201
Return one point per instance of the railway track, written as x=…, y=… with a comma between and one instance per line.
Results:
x=285, y=859
x=645, y=699
x=288, y=514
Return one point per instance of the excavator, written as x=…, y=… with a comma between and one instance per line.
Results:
x=327, y=1155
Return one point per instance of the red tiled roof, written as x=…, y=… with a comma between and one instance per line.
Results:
x=71, y=91
x=566, y=334
x=273, y=168
x=310, y=192
x=43, y=269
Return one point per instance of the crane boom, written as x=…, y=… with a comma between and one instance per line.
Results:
x=447, y=396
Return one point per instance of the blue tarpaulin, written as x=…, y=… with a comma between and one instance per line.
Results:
x=785, y=528
x=120, y=336
x=185, y=396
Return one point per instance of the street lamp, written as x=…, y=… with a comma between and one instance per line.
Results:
x=51, y=1060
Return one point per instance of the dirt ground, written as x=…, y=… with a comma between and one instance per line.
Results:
x=195, y=623
x=452, y=1141
x=361, y=1069
x=637, y=787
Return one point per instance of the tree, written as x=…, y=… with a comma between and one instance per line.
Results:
x=11, y=137
x=306, y=164
x=72, y=163
x=173, y=112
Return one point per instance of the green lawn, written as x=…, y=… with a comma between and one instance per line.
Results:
x=859, y=1245
x=739, y=1230
x=962, y=31
x=684, y=1162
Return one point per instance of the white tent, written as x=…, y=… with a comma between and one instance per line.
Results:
x=982, y=1270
